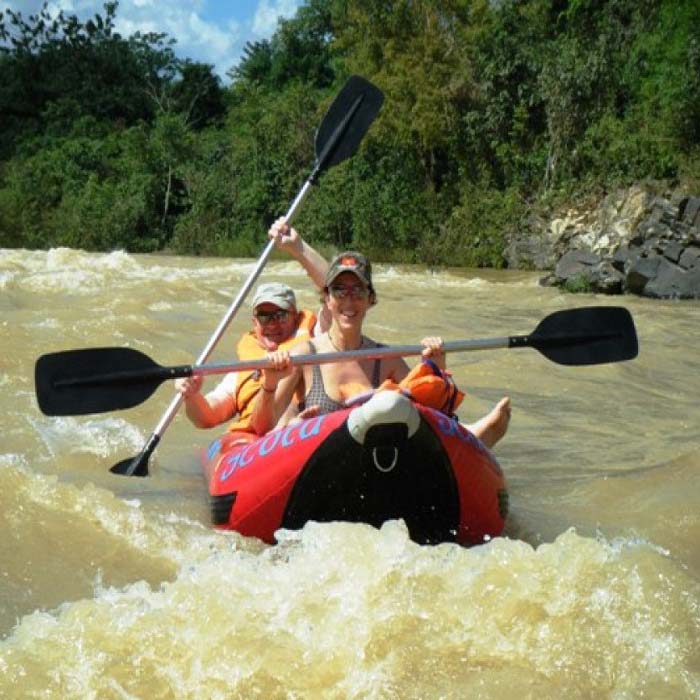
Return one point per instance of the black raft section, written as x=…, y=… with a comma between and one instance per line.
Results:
x=387, y=478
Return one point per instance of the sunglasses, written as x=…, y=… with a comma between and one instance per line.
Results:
x=265, y=317
x=356, y=291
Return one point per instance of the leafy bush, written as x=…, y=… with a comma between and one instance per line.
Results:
x=581, y=284
x=476, y=231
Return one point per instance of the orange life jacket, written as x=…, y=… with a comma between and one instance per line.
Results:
x=248, y=384
x=428, y=385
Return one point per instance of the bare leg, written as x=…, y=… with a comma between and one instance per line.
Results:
x=493, y=426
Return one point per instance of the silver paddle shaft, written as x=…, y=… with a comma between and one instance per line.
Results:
x=378, y=353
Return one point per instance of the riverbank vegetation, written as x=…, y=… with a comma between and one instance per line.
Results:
x=493, y=110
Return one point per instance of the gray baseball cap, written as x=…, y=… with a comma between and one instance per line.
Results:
x=276, y=293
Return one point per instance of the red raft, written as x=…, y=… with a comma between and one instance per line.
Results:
x=385, y=459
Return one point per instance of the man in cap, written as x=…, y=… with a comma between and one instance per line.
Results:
x=277, y=324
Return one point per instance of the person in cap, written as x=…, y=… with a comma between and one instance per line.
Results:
x=277, y=325
x=348, y=293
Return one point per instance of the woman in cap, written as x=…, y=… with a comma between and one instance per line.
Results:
x=348, y=293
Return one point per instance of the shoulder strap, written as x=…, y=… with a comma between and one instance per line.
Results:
x=376, y=373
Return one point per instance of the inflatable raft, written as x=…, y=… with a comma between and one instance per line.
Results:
x=388, y=458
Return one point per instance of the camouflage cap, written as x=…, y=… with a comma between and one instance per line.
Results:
x=350, y=261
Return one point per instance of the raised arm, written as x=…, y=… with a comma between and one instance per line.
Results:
x=287, y=239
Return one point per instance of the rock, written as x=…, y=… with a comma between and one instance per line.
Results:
x=620, y=257
x=575, y=263
x=652, y=245
x=641, y=273
x=636, y=240
x=580, y=270
x=531, y=253
x=607, y=279
x=652, y=229
x=690, y=258
x=659, y=209
x=688, y=210
x=673, y=282
x=600, y=230
x=682, y=233
x=672, y=251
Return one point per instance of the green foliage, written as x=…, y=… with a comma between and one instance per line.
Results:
x=581, y=284
x=106, y=215
x=392, y=209
x=663, y=72
x=251, y=169
x=197, y=95
x=206, y=227
x=61, y=58
x=618, y=150
x=416, y=52
x=298, y=51
x=475, y=233
x=505, y=124
x=50, y=59
x=581, y=80
x=12, y=234
x=491, y=108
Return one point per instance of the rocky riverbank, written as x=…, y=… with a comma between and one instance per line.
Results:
x=640, y=240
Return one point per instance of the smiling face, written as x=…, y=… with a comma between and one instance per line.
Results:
x=348, y=299
x=273, y=324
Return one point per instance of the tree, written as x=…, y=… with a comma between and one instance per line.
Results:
x=300, y=50
x=122, y=81
x=197, y=95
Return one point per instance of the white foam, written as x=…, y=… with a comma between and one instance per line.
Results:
x=102, y=436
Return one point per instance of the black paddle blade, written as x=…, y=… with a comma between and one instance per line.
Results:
x=131, y=466
x=137, y=466
x=94, y=380
x=591, y=335
x=346, y=122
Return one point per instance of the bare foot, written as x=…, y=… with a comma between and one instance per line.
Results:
x=493, y=426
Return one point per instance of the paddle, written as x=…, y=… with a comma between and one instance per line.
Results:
x=95, y=380
x=338, y=137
